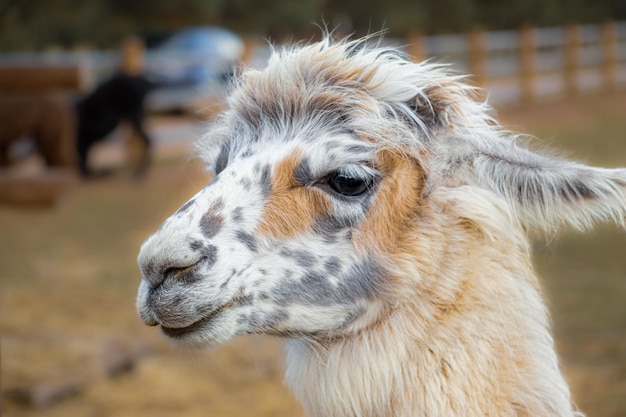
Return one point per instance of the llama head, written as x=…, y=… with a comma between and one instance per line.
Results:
x=326, y=163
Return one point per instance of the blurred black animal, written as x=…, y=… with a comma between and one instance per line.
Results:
x=119, y=99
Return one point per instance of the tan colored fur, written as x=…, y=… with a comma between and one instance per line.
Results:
x=394, y=211
x=290, y=208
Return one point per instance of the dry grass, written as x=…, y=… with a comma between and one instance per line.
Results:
x=68, y=280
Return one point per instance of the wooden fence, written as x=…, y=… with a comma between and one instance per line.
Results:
x=531, y=64
x=514, y=66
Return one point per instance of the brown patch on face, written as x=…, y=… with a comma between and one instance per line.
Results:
x=392, y=214
x=290, y=207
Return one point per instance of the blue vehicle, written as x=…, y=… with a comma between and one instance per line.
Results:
x=191, y=66
x=195, y=56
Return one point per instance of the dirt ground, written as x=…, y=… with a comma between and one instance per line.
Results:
x=68, y=280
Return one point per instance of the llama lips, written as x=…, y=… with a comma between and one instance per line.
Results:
x=178, y=332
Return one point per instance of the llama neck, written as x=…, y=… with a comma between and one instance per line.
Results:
x=395, y=371
x=473, y=341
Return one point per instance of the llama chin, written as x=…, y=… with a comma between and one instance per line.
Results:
x=371, y=211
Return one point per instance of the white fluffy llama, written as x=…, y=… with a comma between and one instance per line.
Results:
x=367, y=209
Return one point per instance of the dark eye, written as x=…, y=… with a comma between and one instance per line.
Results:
x=347, y=185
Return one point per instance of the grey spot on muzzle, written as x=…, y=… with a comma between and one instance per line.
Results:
x=211, y=223
x=332, y=265
x=246, y=184
x=364, y=280
x=332, y=229
x=247, y=239
x=303, y=174
x=265, y=180
x=150, y=269
x=243, y=300
x=209, y=253
x=237, y=214
x=302, y=258
x=196, y=245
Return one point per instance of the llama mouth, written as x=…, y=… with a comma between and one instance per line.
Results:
x=177, y=332
x=202, y=323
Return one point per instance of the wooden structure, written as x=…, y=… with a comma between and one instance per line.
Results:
x=41, y=189
x=36, y=79
x=567, y=60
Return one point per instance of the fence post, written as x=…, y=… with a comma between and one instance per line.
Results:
x=416, y=46
x=250, y=43
x=527, y=49
x=132, y=60
x=477, y=58
x=610, y=55
x=572, y=59
x=86, y=71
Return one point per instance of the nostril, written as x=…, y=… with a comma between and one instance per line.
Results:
x=157, y=269
x=185, y=274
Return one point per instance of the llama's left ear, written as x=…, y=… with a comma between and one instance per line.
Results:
x=443, y=106
x=445, y=103
x=429, y=108
x=546, y=192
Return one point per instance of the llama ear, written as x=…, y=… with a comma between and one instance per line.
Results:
x=546, y=192
x=429, y=108
x=446, y=104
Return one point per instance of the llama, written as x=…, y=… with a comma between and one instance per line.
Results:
x=46, y=120
x=118, y=99
x=370, y=211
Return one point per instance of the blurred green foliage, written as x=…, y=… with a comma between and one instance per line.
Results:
x=37, y=24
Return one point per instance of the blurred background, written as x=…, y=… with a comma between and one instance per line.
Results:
x=70, y=227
